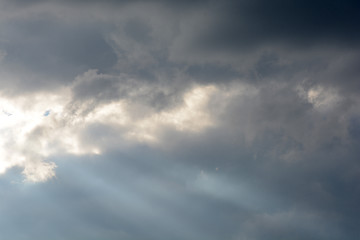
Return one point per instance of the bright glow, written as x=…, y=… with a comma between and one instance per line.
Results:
x=321, y=98
x=192, y=116
x=23, y=140
x=38, y=126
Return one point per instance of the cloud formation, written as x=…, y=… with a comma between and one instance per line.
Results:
x=179, y=119
x=70, y=121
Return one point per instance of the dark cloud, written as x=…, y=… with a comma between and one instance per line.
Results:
x=245, y=25
x=45, y=48
x=105, y=3
x=138, y=31
x=278, y=161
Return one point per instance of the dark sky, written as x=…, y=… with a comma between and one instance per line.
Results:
x=181, y=120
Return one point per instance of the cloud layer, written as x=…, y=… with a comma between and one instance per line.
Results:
x=168, y=120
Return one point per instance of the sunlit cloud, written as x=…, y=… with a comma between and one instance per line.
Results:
x=24, y=136
x=191, y=116
x=42, y=125
x=321, y=98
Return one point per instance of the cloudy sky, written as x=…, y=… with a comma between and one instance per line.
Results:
x=180, y=120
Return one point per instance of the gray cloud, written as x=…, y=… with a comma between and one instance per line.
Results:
x=248, y=24
x=179, y=120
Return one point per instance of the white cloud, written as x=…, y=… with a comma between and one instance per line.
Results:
x=321, y=98
x=28, y=136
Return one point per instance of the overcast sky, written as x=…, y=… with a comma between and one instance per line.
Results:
x=179, y=120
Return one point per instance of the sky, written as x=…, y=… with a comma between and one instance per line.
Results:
x=181, y=120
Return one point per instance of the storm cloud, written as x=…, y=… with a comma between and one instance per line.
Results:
x=179, y=119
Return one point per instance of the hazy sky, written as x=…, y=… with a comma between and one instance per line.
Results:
x=179, y=120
